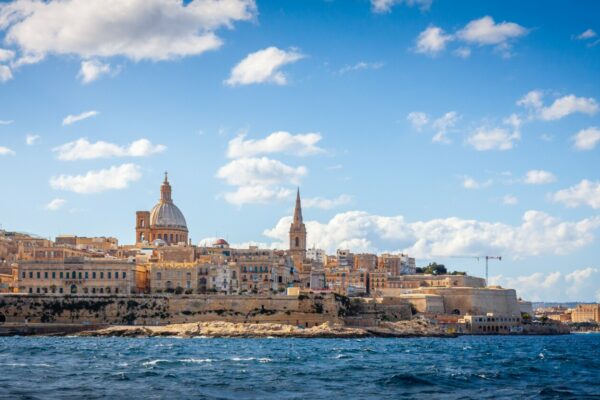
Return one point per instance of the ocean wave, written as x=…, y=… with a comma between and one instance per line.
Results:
x=405, y=380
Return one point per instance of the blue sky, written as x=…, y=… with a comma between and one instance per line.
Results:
x=412, y=126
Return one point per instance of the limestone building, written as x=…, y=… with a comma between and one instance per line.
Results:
x=298, y=235
x=165, y=222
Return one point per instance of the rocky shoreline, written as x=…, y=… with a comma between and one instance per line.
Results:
x=219, y=329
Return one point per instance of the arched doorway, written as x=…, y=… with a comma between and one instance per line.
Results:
x=73, y=289
x=456, y=311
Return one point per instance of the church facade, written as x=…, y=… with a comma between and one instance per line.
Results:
x=165, y=222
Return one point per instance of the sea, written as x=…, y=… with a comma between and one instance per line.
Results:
x=467, y=367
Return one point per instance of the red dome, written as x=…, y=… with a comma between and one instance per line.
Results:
x=221, y=242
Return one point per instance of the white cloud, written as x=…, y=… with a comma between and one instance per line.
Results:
x=113, y=178
x=263, y=66
x=510, y=200
x=5, y=74
x=587, y=34
x=361, y=66
x=136, y=29
x=32, y=139
x=6, y=55
x=560, y=108
x=257, y=194
x=484, y=139
x=462, y=52
x=82, y=149
x=584, y=193
x=587, y=139
x=470, y=183
x=385, y=6
x=443, y=126
x=326, y=204
x=55, y=204
x=417, y=119
x=302, y=144
x=92, y=70
x=539, y=233
x=539, y=177
x=260, y=171
x=485, y=31
x=432, y=41
x=71, y=119
x=6, y=122
x=5, y=151
x=578, y=285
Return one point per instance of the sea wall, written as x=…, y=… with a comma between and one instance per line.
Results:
x=304, y=310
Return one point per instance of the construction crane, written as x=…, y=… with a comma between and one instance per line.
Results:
x=487, y=259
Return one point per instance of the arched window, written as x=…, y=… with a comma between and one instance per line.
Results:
x=171, y=238
x=297, y=241
x=73, y=288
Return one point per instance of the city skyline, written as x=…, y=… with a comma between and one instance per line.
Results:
x=409, y=126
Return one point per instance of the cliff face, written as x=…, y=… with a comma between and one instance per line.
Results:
x=304, y=310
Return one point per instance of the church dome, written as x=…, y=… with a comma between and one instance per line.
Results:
x=166, y=214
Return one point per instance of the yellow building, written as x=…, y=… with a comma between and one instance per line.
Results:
x=81, y=276
x=165, y=222
x=586, y=313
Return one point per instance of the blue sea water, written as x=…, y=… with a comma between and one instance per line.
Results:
x=477, y=367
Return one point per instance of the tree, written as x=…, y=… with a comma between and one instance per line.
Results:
x=178, y=290
x=433, y=269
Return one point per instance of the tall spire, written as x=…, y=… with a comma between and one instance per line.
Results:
x=165, y=190
x=298, y=209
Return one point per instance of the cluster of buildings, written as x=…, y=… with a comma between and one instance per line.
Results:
x=581, y=313
x=164, y=260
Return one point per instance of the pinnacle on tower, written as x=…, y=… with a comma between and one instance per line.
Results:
x=298, y=209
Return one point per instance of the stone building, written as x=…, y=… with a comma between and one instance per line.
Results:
x=79, y=275
x=165, y=222
x=298, y=235
x=493, y=324
x=586, y=313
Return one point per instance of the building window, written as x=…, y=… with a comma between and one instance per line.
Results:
x=60, y=290
x=124, y=275
x=109, y=274
x=80, y=275
x=116, y=290
x=73, y=275
x=30, y=275
x=23, y=275
x=116, y=274
x=297, y=241
x=37, y=290
x=61, y=275
x=94, y=290
x=101, y=275
x=53, y=274
x=93, y=274
x=86, y=274
x=39, y=275
x=30, y=290
x=158, y=276
x=45, y=274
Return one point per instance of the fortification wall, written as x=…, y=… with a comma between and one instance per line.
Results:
x=477, y=301
x=168, y=309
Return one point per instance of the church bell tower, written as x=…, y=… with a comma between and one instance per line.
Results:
x=298, y=234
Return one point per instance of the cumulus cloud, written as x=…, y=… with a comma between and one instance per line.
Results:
x=470, y=183
x=71, y=119
x=484, y=139
x=510, y=200
x=539, y=177
x=113, y=178
x=32, y=139
x=538, y=233
x=326, y=204
x=481, y=32
x=560, y=108
x=5, y=151
x=578, y=285
x=82, y=149
x=260, y=171
x=92, y=70
x=443, y=126
x=136, y=29
x=485, y=31
x=385, y=6
x=585, y=193
x=5, y=74
x=587, y=34
x=55, y=204
x=361, y=66
x=257, y=195
x=259, y=180
x=417, y=119
x=432, y=41
x=263, y=66
x=587, y=139
x=302, y=144
x=6, y=55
